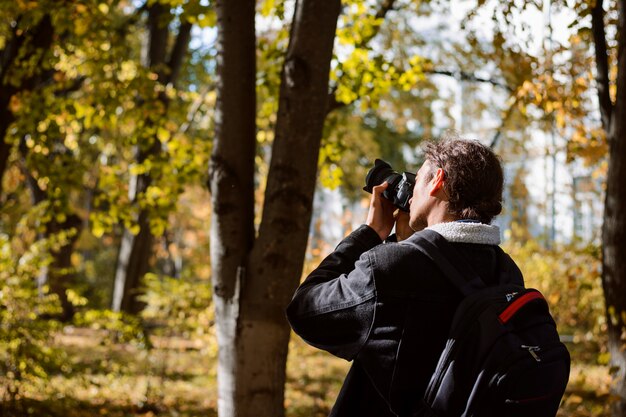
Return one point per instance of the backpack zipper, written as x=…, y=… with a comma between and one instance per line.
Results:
x=532, y=350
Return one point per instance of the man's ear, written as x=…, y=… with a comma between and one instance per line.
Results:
x=437, y=182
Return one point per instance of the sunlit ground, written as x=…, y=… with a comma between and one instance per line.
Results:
x=177, y=378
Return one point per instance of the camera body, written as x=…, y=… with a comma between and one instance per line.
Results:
x=400, y=187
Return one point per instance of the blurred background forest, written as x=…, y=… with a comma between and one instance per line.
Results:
x=170, y=169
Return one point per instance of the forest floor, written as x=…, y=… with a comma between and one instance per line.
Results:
x=177, y=378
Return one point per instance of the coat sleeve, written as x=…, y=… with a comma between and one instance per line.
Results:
x=334, y=307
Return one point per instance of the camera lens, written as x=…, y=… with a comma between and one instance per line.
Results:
x=400, y=186
x=380, y=173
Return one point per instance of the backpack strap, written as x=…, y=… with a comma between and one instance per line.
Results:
x=509, y=272
x=439, y=250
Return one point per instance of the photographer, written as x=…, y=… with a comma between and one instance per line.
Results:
x=386, y=306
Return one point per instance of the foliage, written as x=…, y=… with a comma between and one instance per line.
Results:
x=26, y=327
x=94, y=102
x=120, y=327
x=176, y=308
x=141, y=112
x=355, y=141
x=179, y=306
x=569, y=278
x=111, y=379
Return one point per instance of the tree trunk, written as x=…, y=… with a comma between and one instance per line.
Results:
x=6, y=118
x=133, y=262
x=39, y=38
x=253, y=288
x=278, y=255
x=61, y=276
x=614, y=226
x=614, y=229
x=231, y=183
x=613, y=265
x=135, y=252
x=133, y=259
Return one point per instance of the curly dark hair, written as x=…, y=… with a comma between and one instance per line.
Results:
x=473, y=177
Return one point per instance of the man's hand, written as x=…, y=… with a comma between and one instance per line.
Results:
x=403, y=230
x=380, y=216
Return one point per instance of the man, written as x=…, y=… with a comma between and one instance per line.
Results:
x=386, y=306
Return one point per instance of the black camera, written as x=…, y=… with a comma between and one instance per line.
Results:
x=400, y=188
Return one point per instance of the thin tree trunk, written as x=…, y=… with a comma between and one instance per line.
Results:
x=614, y=229
x=253, y=288
x=133, y=259
x=135, y=252
x=614, y=226
x=278, y=255
x=613, y=265
x=39, y=39
x=59, y=275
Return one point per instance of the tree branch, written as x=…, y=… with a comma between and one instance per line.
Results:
x=194, y=108
x=75, y=85
x=333, y=104
x=9, y=52
x=158, y=37
x=464, y=76
x=602, y=64
x=385, y=7
x=179, y=51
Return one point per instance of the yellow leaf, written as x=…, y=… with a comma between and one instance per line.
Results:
x=134, y=229
x=61, y=217
x=267, y=7
x=97, y=230
x=604, y=358
x=15, y=104
x=80, y=26
x=128, y=71
x=560, y=119
x=549, y=107
x=163, y=134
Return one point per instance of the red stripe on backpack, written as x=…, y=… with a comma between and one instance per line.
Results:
x=510, y=311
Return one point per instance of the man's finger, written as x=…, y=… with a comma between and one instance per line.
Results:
x=378, y=189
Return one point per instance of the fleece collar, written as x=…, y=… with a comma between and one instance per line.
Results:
x=480, y=233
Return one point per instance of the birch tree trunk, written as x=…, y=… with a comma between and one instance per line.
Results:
x=255, y=279
x=231, y=183
x=614, y=225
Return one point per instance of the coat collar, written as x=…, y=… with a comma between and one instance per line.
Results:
x=462, y=232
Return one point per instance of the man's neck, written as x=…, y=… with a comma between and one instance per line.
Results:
x=440, y=216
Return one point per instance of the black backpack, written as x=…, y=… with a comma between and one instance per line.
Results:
x=503, y=356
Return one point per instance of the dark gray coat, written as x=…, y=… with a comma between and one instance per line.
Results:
x=387, y=308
